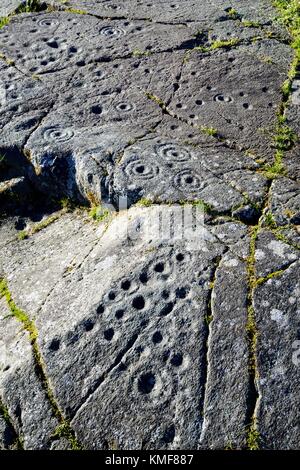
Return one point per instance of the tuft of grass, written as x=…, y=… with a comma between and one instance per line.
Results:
x=144, y=202
x=209, y=131
x=224, y=44
x=64, y=430
x=286, y=89
x=289, y=15
x=203, y=206
x=30, y=6
x=4, y=20
x=269, y=220
x=281, y=237
x=250, y=24
x=199, y=204
x=23, y=235
x=76, y=11
x=66, y=203
x=253, y=437
x=208, y=319
x=218, y=44
x=233, y=14
x=277, y=168
x=139, y=53
x=284, y=138
x=100, y=214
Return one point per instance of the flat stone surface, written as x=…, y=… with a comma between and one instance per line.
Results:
x=285, y=201
x=172, y=12
x=291, y=163
x=9, y=6
x=7, y=436
x=209, y=96
x=60, y=40
x=162, y=170
x=20, y=387
x=62, y=257
x=129, y=326
x=272, y=254
x=224, y=420
x=277, y=311
x=171, y=320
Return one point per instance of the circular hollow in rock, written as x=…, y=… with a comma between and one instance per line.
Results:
x=138, y=302
x=146, y=383
x=108, y=334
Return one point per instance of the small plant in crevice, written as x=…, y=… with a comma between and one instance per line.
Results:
x=250, y=24
x=23, y=235
x=276, y=169
x=19, y=314
x=253, y=438
x=100, y=214
x=280, y=236
x=209, y=131
x=144, y=202
x=289, y=16
x=266, y=59
x=224, y=44
x=4, y=21
x=198, y=204
x=233, y=14
x=284, y=138
x=268, y=220
x=289, y=11
x=64, y=430
x=156, y=100
x=217, y=44
x=31, y=6
x=139, y=53
x=203, y=206
x=76, y=11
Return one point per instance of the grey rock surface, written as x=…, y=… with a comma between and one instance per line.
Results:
x=285, y=201
x=174, y=12
x=21, y=389
x=228, y=356
x=9, y=6
x=149, y=229
x=277, y=310
x=169, y=170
